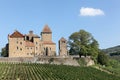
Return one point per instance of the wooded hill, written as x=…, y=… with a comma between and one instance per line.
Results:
x=112, y=50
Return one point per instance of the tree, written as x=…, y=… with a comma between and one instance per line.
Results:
x=4, y=51
x=83, y=43
x=103, y=59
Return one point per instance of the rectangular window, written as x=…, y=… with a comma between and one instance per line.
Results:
x=21, y=43
x=36, y=48
x=17, y=48
x=21, y=49
x=36, y=43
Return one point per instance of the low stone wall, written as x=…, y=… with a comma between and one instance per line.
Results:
x=43, y=60
x=18, y=59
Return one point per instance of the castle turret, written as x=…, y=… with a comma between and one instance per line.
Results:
x=63, y=47
x=46, y=34
x=49, y=45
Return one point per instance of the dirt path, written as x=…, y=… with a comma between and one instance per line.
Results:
x=103, y=70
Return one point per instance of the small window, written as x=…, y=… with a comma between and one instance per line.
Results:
x=27, y=53
x=28, y=48
x=21, y=43
x=17, y=42
x=36, y=48
x=31, y=47
x=63, y=41
x=36, y=43
x=17, y=48
x=21, y=49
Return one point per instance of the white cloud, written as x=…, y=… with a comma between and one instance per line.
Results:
x=90, y=12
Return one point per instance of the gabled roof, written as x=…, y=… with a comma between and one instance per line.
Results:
x=46, y=29
x=16, y=34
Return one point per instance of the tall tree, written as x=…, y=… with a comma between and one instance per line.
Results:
x=83, y=43
x=4, y=51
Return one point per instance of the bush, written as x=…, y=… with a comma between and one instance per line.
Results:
x=82, y=62
x=103, y=59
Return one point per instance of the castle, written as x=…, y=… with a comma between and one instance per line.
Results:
x=31, y=45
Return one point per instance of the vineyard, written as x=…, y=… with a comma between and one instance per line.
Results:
x=34, y=71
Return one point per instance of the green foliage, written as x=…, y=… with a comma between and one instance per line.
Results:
x=34, y=71
x=115, y=54
x=103, y=58
x=115, y=58
x=4, y=51
x=83, y=43
x=113, y=67
x=82, y=62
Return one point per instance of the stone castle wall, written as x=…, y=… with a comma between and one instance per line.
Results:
x=42, y=60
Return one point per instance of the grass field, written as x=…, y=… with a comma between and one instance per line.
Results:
x=34, y=71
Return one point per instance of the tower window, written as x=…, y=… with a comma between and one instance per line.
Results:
x=63, y=41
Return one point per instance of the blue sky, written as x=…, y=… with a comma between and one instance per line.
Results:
x=63, y=17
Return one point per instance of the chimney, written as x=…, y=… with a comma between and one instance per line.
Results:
x=31, y=32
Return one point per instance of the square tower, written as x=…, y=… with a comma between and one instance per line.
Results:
x=63, y=47
x=48, y=45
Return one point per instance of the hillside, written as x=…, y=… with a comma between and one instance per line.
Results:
x=34, y=71
x=113, y=52
x=112, y=49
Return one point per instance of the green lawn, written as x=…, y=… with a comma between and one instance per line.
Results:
x=34, y=71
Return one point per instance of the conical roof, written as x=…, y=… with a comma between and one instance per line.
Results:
x=46, y=29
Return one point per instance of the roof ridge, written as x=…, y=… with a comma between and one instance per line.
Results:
x=16, y=34
x=46, y=29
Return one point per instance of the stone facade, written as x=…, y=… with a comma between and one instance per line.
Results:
x=31, y=45
x=63, y=47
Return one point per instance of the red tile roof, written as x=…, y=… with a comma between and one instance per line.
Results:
x=16, y=34
x=29, y=44
x=46, y=29
x=48, y=42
